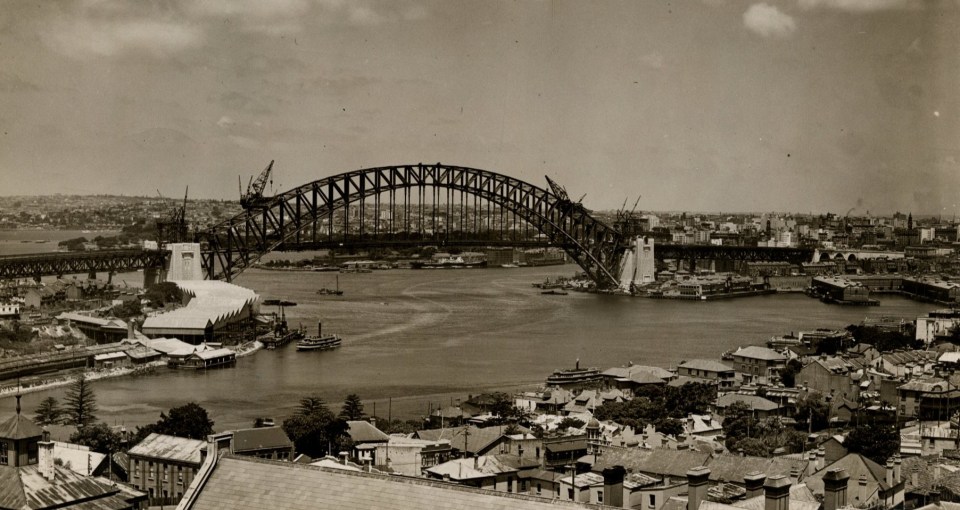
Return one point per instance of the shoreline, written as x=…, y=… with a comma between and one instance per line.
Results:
x=60, y=380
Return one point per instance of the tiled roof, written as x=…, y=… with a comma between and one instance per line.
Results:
x=364, y=432
x=19, y=427
x=243, y=483
x=260, y=438
x=753, y=401
x=706, y=364
x=164, y=447
x=480, y=467
x=473, y=440
x=660, y=461
x=757, y=352
x=628, y=372
x=732, y=468
x=855, y=465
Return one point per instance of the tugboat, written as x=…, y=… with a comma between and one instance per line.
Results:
x=320, y=342
x=571, y=376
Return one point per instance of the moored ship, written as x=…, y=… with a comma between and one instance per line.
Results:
x=572, y=376
x=447, y=261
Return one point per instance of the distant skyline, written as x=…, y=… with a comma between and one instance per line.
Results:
x=711, y=105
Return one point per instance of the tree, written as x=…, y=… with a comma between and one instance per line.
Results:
x=190, y=420
x=738, y=424
x=352, y=408
x=671, y=426
x=876, y=441
x=48, y=412
x=314, y=429
x=569, y=422
x=100, y=438
x=788, y=376
x=814, y=411
x=80, y=404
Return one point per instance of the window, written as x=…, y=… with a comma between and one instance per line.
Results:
x=4, y=453
x=539, y=488
x=600, y=496
x=570, y=493
x=653, y=501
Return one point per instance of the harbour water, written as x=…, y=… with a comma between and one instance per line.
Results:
x=422, y=338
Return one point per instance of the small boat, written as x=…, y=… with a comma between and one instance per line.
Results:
x=508, y=265
x=331, y=292
x=555, y=292
x=320, y=342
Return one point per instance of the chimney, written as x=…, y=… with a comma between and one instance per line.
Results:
x=753, y=482
x=776, y=492
x=46, y=465
x=862, y=490
x=130, y=329
x=697, y=486
x=835, y=489
x=890, y=472
x=812, y=463
x=343, y=457
x=821, y=458
x=613, y=486
x=896, y=468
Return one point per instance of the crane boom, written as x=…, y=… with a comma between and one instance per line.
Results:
x=254, y=195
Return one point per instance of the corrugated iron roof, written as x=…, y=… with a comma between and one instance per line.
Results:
x=164, y=447
x=244, y=483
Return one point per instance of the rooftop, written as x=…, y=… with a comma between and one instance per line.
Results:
x=243, y=483
x=260, y=438
x=757, y=352
x=173, y=448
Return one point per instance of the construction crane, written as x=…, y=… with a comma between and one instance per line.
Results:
x=561, y=193
x=626, y=222
x=254, y=198
x=172, y=228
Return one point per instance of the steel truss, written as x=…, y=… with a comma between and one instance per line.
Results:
x=107, y=261
x=305, y=217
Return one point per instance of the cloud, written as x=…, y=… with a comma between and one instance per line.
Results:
x=12, y=83
x=652, y=59
x=225, y=122
x=270, y=17
x=859, y=5
x=91, y=37
x=768, y=21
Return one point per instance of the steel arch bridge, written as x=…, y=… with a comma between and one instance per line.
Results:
x=417, y=204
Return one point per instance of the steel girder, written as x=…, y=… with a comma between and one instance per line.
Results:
x=295, y=217
x=107, y=261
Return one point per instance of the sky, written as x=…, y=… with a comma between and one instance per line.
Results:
x=699, y=105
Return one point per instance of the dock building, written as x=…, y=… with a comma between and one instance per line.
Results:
x=214, y=311
x=840, y=290
x=932, y=289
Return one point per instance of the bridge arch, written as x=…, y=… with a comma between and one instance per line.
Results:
x=317, y=214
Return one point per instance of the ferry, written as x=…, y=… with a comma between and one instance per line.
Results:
x=571, y=376
x=448, y=261
x=319, y=342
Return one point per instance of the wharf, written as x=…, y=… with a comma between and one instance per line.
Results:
x=714, y=297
